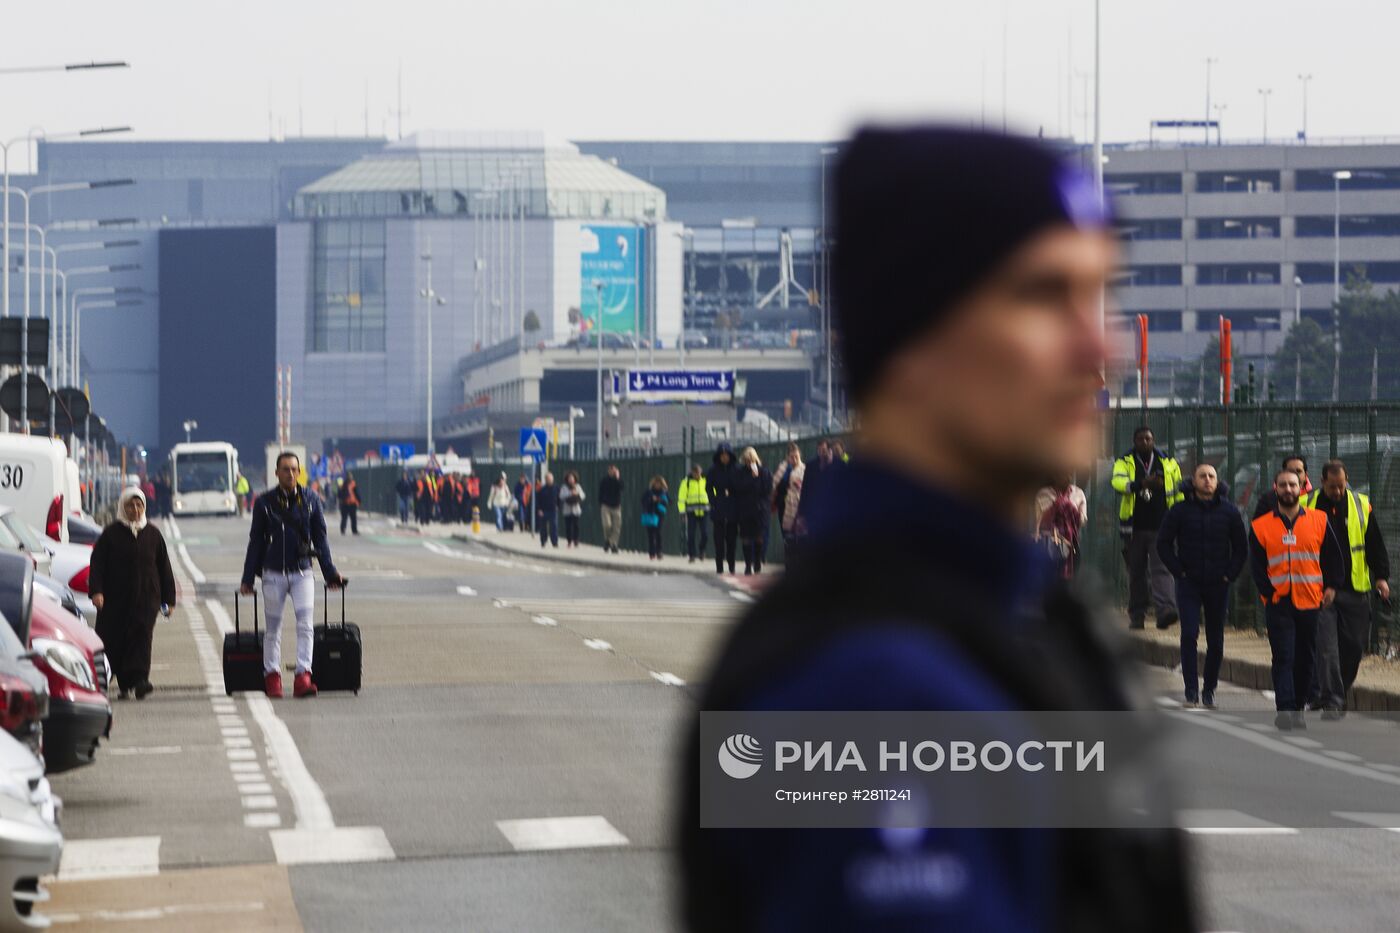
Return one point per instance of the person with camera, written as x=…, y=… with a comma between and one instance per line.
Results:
x=288, y=533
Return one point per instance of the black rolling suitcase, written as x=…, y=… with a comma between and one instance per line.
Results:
x=243, y=653
x=336, y=653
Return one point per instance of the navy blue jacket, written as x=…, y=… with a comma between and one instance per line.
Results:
x=274, y=545
x=1203, y=542
x=719, y=484
x=801, y=880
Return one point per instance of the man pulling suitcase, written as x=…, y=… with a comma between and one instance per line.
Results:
x=288, y=532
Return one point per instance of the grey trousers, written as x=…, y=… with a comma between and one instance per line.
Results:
x=612, y=524
x=1343, y=631
x=1149, y=580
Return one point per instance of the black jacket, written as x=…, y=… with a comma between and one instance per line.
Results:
x=751, y=494
x=281, y=524
x=610, y=492
x=547, y=499
x=1203, y=542
x=719, y=483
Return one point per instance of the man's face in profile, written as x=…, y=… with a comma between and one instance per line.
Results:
x=1011, y=374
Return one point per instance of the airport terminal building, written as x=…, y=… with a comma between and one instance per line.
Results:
x=308, y=253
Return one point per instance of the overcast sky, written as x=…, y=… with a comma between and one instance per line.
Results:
x=717, y=69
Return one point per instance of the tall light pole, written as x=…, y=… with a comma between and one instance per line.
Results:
x=431, y=298
x=1264, y=93
x=1338, y=177
x=72, y=329
x=27, y=195
x=1304, y=79
x=598, y=341
x=81, y=306
x=189, y=426
x=1209, y=62
x=825, y=287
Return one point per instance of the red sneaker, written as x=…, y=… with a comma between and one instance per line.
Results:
x=272, y=683
x=302, y=685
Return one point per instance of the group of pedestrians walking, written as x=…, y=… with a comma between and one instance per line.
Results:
x=1315, y=555
x=434, y=496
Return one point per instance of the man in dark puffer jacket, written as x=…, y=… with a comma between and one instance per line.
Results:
x=1203, y=544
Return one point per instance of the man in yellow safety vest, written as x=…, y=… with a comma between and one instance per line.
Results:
x=1148, y=483
x=1344, y=627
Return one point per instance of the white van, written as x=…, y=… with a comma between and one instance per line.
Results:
x=34, y=481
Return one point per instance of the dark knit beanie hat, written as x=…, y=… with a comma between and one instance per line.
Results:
x=923, y=215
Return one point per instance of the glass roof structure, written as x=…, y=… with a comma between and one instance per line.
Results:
x=482, y=174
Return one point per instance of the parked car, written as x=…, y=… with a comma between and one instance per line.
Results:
x=83, y=530
x=71, y=656
x=16, y=535
x=31, y=845
x=610, y=342
x=24, y=692
x=72, y=660
x=69, y=564
x=66, y=598
x=35, y=481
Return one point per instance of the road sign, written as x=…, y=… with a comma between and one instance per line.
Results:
x=533, y=442
x=675, y=385
x=393, y=452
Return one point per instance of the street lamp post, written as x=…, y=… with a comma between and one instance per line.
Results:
x=431, y=297
x=1337, y=178
x=27, y=195
x=1264, y=93
x=825, y=294
x=189, y=426
x=573, y=413
x=598, y=341
x=1305, y=80
x=78, y=308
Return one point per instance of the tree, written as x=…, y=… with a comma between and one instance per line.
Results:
x=531, y=322
x=1304, y=360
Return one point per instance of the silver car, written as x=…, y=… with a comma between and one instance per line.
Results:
x=30, y=842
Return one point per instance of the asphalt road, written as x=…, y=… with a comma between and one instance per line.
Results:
x=509, y=762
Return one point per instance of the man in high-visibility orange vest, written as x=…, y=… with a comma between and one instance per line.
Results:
x=1292, y=550
x=349, y=496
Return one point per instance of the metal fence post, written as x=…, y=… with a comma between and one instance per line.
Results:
x=1332, y=433
x=1200, y=435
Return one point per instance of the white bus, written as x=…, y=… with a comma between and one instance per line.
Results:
x=202, y=478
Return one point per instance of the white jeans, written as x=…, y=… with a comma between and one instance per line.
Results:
x=276, y=588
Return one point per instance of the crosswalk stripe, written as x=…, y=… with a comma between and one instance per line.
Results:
x=121, y=857
x=1229, y=823
x=565, y=832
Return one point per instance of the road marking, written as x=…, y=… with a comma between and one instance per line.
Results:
x=1389, y=769
x=597, y=644
x=314, y=846
x=1290, y=751
x=465, y=591
x=127, y=856
x=667, y=678
x=543, y=620
x=262, y=820
x=1229, y=823
x=195, y=574
x=1343, y=756
x=565, y=832
x=1387, y=821
x=742, y=597
x=253, y=789
x=144, y=750
x=1302, y=742
x=444, y=551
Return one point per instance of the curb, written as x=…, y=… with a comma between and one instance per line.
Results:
x=594, y=562
x=1256, y=676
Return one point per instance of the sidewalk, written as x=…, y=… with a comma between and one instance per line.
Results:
x=521, y=544
x=1248, y=661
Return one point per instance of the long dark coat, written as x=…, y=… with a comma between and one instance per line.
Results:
x=133, y=575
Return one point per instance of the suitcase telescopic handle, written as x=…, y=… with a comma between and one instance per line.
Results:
x=237, y=602
x=326, y=603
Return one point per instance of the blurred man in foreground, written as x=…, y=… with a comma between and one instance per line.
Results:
x=968, y=281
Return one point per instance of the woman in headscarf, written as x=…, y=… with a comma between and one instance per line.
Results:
x=130, y=580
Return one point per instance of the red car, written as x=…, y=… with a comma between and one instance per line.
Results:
x=70, y=655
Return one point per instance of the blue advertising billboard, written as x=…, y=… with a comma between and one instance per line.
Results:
x=613, y=257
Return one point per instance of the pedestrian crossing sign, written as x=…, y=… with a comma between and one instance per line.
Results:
x=532, y=444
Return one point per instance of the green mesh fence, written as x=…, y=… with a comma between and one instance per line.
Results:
x=1247, y=445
